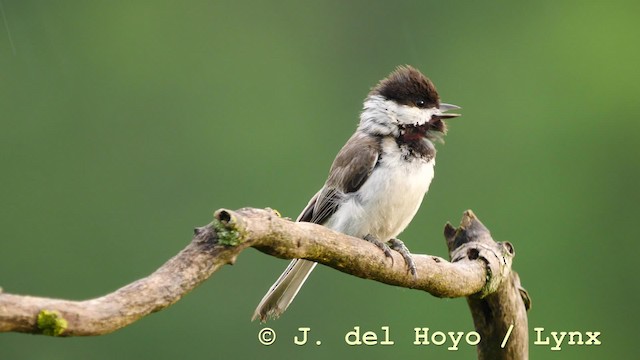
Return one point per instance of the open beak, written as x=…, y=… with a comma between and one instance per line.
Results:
x=446, y=107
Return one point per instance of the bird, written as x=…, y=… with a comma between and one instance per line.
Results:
x=378, y=180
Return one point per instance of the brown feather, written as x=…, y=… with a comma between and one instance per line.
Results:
x=349, y=171
x=407, y=86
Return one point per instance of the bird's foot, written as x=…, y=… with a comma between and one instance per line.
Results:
x=380, y=244
x=399, y=246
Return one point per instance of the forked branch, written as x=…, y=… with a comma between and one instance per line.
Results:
x=480, y=270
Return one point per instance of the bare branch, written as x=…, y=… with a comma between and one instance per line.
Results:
x=480, y=270
x=178, y=276
x=500, y=310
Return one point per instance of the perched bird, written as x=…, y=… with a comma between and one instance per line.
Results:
x=378, y=179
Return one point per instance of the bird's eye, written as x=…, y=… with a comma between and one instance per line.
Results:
x=420, y=103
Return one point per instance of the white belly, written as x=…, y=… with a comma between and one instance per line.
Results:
x=389, y=199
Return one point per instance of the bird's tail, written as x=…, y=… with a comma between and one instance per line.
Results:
x=284, y=290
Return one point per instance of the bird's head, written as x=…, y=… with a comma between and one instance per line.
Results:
x=406, y=105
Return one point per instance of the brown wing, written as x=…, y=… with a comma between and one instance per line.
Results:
x=349, y=171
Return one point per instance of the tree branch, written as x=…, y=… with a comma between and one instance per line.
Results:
x=500, y=310
x=480, y=270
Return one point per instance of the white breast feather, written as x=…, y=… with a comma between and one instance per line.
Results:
x=389, y=199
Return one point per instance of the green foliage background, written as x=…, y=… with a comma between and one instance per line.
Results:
x=125, y=124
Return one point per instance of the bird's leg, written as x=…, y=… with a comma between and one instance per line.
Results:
x=399, y=246
x=382, y=245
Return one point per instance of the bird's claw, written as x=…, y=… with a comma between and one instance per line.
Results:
x=380, y=244
x=399, y=246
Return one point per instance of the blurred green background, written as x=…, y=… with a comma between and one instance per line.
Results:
x=124, y=124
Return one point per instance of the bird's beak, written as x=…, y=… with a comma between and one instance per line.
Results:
x=446, y=107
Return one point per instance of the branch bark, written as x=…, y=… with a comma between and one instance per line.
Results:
x=480, y=270
x=499, y=311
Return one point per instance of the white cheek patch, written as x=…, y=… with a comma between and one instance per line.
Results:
x=409, y=115
x=381, y=116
